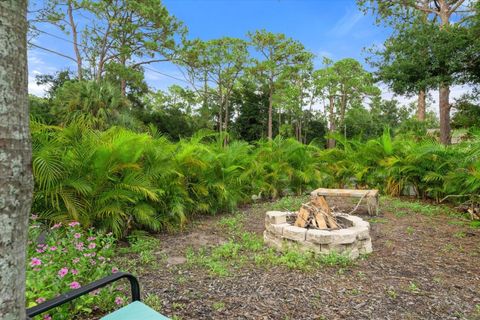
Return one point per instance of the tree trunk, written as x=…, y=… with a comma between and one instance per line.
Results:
x=225, y=139
x=16, y=182
x=75, y=40
x=444, y=106
x=421, y=105
x=270, y=107
x=331, y=120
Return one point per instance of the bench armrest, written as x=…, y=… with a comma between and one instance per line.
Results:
x=73, y=294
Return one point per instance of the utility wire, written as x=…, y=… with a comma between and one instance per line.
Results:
x=85, y=47
x=51, y=51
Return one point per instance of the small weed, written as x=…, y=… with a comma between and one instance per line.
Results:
x=456, y=223
x=401, y=213
x=181, y=279
x=413, y=288
x=410, y=230
x=335, y=259
x=355, y=292
x=218, y=306
x=361, y=274
x=460, y=234
x=232, y=223
x=174, y=317
x=448, y=247
x=378, y=220
x=475, y=224
x=143, y=246
x=392, y=294
x=178, y=305
x=153, y=301
x=477, y=308
x=389, y=243
x=437, y=280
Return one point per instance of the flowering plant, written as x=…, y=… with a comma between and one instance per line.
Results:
x=65, y=257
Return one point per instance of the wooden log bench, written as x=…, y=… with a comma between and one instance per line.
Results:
x=370, y=195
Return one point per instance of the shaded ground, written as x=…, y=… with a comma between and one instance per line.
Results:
x=425, y=265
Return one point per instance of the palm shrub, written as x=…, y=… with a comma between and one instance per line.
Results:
x=96, y=178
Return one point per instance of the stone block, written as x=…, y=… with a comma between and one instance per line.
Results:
x=344, y=236
x=319, y=236
x=272, y=241
x=276, y=229
x=275, y=217
x=310, y=247
x=362, y=233
x=365, y=247
x=294, y=233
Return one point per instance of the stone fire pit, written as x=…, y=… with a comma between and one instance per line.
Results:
x=351, y=241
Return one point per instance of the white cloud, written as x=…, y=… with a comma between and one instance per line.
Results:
x=347, y=22
x=36, y=66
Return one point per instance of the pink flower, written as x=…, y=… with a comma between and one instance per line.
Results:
x=56, y=226
x=91, y=238
x=74, y=271
x=79, y=246
x=35, y=262
x=40, y=250
x=40, y=300
x=47, y=317
x=92, y=262
x=62, y=272
x=92, y=245
x=36, y=269
x=76, y=260
x=87, y=254
x=53, y=248
x=101, y=258
x=77, y=235
x=114, y=270
x=74, y=223
x=34, y=217
x=74, y=285
x=118, y=300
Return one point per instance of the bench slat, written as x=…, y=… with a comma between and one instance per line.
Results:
x=135, y=311
x=344, y=193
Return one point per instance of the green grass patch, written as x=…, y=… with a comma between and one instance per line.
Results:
x=290, y=203
x=401, y=207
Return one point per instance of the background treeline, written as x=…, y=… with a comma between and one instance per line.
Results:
x=254, y=117
x=263, y=85
x=120, y=180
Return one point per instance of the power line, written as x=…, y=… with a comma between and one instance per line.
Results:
x=52, y=51
x=85, y=47
x=167, y=75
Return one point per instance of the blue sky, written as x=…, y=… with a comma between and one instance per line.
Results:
x=337, y=29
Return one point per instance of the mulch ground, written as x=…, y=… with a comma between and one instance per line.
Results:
x=422, y=267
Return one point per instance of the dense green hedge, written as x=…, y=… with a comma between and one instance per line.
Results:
x=119, y=180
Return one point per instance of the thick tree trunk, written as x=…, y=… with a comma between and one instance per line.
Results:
x=444, y=105
x=15, y=158
x=75, y=40
x=270, y=114
x=331, y=120
x=421, y=105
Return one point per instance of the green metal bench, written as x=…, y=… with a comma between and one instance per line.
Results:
x=134, y=311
